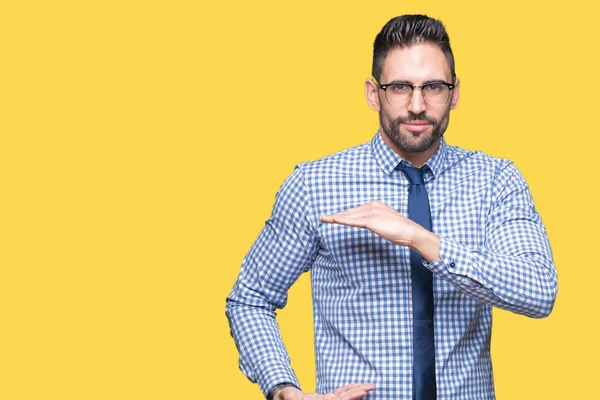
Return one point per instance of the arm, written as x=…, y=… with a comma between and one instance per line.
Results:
x=284, y=249
x=513, y=270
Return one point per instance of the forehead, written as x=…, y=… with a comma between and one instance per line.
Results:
x=417, y=63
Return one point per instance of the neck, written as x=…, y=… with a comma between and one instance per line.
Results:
x=416, y=159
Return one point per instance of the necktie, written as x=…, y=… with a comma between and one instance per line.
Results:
x=422, y=293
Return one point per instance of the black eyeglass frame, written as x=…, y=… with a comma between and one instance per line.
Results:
x=412, y=88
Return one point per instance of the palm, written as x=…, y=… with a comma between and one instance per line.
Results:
x=349, y=392
x=314, y=396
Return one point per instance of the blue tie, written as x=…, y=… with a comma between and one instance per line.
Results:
x=422, y=293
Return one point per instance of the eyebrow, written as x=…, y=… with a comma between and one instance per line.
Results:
x=402, y=82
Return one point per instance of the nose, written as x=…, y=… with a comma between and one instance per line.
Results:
x=417, y=102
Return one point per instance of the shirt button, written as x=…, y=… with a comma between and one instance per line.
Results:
x=452, y=265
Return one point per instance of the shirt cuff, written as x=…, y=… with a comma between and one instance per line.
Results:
x=456, y=264
x=271, y=373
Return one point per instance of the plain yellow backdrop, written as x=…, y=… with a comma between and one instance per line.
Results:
x=142, y=144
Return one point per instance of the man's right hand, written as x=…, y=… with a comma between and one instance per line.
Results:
x=354, y=391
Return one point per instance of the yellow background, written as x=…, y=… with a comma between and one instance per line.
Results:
x=142, y=144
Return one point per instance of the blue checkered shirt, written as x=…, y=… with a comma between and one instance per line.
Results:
x=494, y=252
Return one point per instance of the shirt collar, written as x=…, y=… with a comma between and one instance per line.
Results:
x=388, y=160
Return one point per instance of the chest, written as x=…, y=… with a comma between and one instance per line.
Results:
x=459, y=205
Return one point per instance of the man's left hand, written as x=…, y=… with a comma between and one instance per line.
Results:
x=388, y=223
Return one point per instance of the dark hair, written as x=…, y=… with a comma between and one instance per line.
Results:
x=406, y=31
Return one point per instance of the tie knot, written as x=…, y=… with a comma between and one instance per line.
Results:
x=414, y=175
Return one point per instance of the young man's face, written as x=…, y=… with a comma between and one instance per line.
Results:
x=416, y=126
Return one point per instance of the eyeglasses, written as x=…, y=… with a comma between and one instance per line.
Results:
x=435, y=94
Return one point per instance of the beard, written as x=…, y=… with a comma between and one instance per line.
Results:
x=413, y=142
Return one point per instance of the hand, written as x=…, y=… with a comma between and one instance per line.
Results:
x=354, y=391
x=388, y=223
x=379, y=218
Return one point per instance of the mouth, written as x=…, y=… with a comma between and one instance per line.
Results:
x=416, y=126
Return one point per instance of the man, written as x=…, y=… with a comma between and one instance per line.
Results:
x=410, y=243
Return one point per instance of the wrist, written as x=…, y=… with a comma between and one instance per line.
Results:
x=285, y=392
x=427, y=244
x=279, y=391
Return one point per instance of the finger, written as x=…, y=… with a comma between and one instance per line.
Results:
x=363, y=214
x=349, y=387
x=358, y=213
x=352, y=210
x=373, y=204
x=372, y=209
x=354, y=389
x=328, y=218
x=336, y=219
x=346, y=388
x=354, y=394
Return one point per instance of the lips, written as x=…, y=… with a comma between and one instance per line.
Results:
x=416, y=126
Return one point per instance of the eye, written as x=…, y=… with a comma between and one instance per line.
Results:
x=400, y=88
x=433, y=87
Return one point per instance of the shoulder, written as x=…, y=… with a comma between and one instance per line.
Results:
x=500, y=174
x=460, y=157
x=317, y=171
x=339, y=162
x=495, y=168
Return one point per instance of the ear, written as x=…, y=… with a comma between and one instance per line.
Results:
x=455, y=95
x=372, y=94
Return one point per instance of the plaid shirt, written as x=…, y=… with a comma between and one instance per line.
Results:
x=494, y=252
